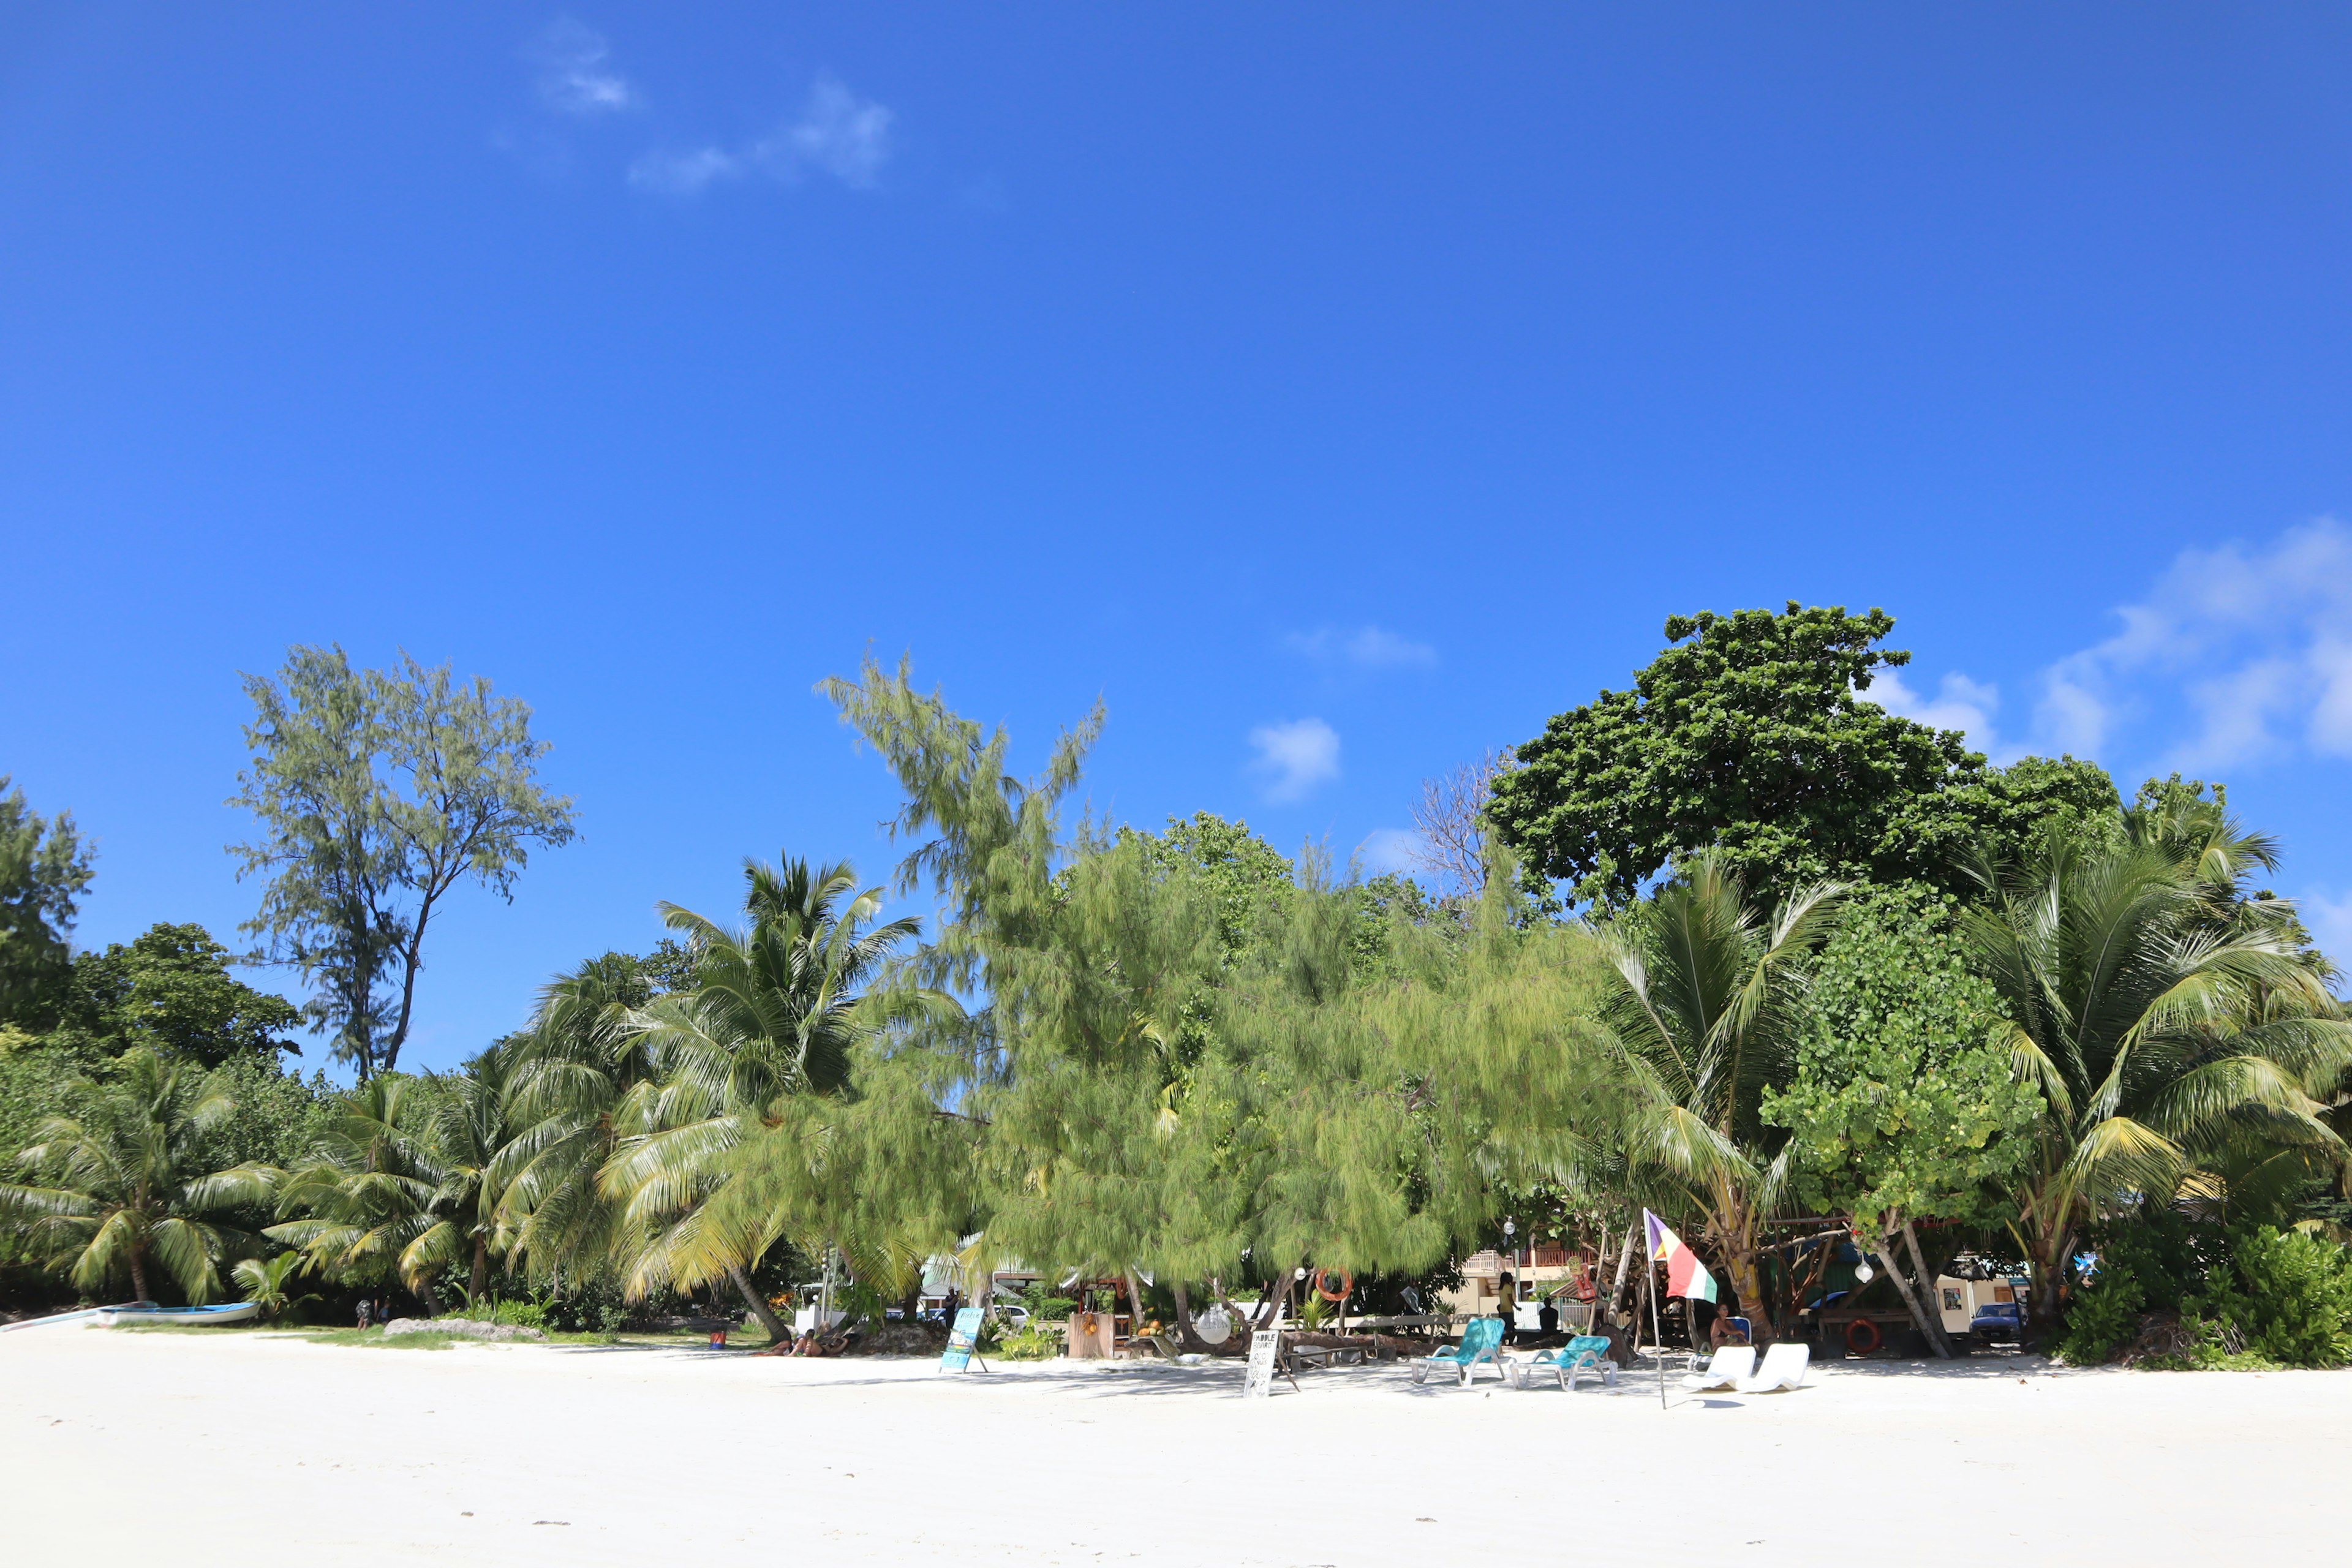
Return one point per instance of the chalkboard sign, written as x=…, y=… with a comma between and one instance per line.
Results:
x=963, y=1339
x=1264, y=1347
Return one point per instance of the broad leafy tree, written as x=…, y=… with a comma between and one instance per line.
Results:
x=170, y=989
x=1754, y=736
x=1904, y=1105
x=376, y=792
x=44, y=867
x=123, y=1190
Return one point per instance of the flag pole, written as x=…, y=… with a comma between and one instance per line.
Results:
x=1657, y=1336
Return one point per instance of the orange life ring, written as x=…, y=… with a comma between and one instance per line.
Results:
x=1323, y=1285
x=1862, y=1337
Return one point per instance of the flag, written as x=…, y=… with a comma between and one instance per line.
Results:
x=1685, y=1276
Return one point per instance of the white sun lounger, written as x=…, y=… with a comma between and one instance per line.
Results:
x=1724, y=1368
x=1784, y=1367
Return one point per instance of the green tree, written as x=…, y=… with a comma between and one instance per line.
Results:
x=2170, y=1025
x=1903, y=1106
x=170, y=989
x=470, y=1129
x=779, y=1011
x=368, y=1192
x=44, y=867
x=124, y=1186
x=377, y=792
x=1709, y=1010
x=1754, y=737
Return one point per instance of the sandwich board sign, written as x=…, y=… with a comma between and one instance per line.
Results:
x=963, y=1341
x=1265, y=1352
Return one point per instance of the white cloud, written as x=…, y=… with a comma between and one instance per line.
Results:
x=572, y=78
x=1390, y=849
x=1959, y=704
x=2236, y=655
x=684, y=174
x=838, y=134
x=1369, y=647
x=2330, y=921
x=2257, y=643
x=1295, y=757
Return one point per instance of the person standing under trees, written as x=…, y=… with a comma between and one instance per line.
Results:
x=366, y=1307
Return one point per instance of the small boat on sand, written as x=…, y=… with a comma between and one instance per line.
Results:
x=143, y=1312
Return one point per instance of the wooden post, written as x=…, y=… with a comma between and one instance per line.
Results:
x=1657, y=1334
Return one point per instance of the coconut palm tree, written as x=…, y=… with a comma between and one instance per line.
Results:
x=778, y=1013
x=574, y=1069
x=2175, y=1028
x=468, y=1130
x=367, y=1196
x=1707, y=1008
x=127, y=1187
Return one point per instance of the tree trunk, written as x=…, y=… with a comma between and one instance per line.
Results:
x=778, y=1334
x=1936, y=1334
x=1624, y=1266
x=2049, y=1274
x=1747, y=1283
x=481, y=1274
x=1883, y=1254
x=139, y=1273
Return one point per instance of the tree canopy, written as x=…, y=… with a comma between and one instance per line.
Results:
x=44, y=867
x=376, y=792
x=1753, y=736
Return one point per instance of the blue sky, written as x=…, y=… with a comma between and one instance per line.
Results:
x=1337, y=393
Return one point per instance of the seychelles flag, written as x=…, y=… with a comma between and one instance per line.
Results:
x=1685, y=1276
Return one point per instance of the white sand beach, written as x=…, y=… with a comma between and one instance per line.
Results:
x=123, y=1448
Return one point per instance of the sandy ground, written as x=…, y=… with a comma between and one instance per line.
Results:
x=122, y=1448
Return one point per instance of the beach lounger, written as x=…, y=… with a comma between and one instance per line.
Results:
x=1784, y=1367
x=1478, y=1343
x=1586, y=1355
x=1724, y=1368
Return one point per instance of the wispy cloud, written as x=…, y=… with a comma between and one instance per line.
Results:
x=1959, y=704
x=1367, y=648
x=837, y=135
x=572, y=75
x=1390, y=849
x=2330, y=921
x=2256, y=643
x=1295, y=758
x=684, y=174
x=2252, y=646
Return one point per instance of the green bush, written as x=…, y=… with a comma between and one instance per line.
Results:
x=2287, y=1294
x=2105, y=1314
x=1035, y=1342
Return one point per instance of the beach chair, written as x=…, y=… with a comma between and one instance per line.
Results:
x=1724, y=1368
x=1479, y=1343
x=1585, y=1355
x=1784, y=1367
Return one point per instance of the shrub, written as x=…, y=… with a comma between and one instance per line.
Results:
x=1035, y=1342
x=2105, y=1314
x=2288, y=1294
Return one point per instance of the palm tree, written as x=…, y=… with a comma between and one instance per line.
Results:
x=778, y=1013
x=467, y=1131
x=2174, y=1026
x=574, y=1069
x=128, y=1186
x=367, y=1196
x=1709, y=1005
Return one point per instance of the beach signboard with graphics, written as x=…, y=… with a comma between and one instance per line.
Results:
x=1264, y=1346
x=963, y=1339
